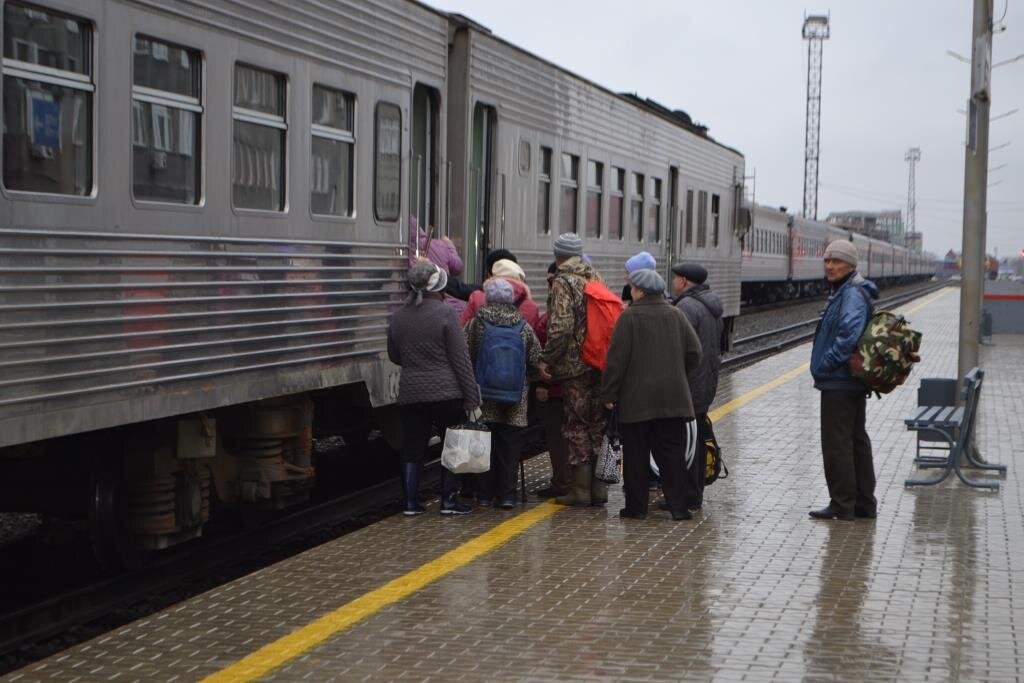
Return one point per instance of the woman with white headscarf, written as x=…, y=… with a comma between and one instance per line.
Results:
x=437, y=386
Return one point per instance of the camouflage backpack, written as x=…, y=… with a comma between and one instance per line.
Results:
x=888, y=348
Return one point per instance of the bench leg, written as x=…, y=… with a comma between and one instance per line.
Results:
x=952, y=464
x=976, y=462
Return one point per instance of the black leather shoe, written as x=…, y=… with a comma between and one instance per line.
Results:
x=831, y=513
x=550, y=492
x=626, y=514
x=865, y=514
x=686, y=515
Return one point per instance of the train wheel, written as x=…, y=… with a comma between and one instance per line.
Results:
x=111, y=542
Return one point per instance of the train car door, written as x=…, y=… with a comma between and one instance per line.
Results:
x=481, y=183
x=672, y=248
x=424, y=162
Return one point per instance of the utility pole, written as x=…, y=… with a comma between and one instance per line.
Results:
x=912, y=156
x=975, y=187
x=816, y=30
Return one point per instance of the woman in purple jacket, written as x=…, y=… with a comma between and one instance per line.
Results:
x=437, y=386
x=439, y=251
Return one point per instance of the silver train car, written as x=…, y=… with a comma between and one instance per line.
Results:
x=205, y=227
x=537, y=151
x=782, y=257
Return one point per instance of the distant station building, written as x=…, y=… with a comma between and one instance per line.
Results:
x=914, y=241
x=883, y=225
x=948, y=266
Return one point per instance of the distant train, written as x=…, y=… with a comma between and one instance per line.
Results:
x=205, y=226
x=782, y=256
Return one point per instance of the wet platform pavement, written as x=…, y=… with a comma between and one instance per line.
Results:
x=752, y=589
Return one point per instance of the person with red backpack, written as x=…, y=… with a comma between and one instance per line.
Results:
x=582, y=312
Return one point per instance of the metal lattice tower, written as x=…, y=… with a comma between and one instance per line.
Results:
x=912, y=156
x=816, y=30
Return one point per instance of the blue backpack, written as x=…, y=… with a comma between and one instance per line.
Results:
x=501, y=363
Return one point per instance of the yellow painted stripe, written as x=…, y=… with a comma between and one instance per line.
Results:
x=723, y=410
x=297, y=643
x=929, y=301
x=271, y=656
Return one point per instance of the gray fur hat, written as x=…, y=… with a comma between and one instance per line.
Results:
x=647, y=281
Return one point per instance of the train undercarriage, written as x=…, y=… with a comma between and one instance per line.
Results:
x=146, y=487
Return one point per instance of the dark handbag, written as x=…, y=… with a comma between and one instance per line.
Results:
x=608, y=467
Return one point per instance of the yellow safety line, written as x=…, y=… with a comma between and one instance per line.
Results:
x=295, y=644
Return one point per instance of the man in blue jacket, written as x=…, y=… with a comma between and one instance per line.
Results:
x=845, y=445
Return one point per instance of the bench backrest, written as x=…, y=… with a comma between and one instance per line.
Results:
x=972, y=392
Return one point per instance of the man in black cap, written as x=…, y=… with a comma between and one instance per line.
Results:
x=703, y=309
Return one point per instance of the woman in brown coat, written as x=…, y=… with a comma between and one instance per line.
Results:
x=653, y=348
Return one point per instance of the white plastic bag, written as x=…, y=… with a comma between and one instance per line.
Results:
x=467, y=449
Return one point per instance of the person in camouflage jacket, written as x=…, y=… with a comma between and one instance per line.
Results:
x=585, y=419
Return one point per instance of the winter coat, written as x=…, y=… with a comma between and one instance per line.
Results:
x=427, y=342
x=653, y=349
x=523, y=300
x=441, y=252
x=553, y=387
x=839, y=330
x=703, y=309
x=505, y=314
x=567, y=319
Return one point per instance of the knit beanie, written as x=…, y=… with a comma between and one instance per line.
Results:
x=647, y=281
x=506, y=268
x=498, y=291
x=641, y=260
x=694, y=272
x=425, y=276
x=568, y=244
x=842, y=250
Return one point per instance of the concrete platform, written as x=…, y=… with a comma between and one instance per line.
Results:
x=752, y=589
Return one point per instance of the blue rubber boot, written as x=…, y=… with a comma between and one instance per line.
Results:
x=411, y=484
x=450, y=504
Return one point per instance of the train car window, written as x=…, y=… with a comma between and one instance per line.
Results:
x=570, y=182
x=654, y=212
x=714, y=220
x=260, y=127
x=615, y=199
x=689, y=216
x=636, y=207
x=544, y=192
x=48, y=100
x=332, y=152
x=702, y=219
x=595, y=187
x=166, y=112
x=387, y=174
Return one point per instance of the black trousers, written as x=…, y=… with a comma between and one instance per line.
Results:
x=669, y=440
x=505, y=450
x=693, y=481
x=418, y=420
x=846, y=451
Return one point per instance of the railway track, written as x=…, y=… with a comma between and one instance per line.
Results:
x=798, y=333
x=183, y=569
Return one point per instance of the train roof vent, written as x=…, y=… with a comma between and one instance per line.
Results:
x=463, y=20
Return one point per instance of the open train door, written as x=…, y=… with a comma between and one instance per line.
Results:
x=672, y=248
x=481, y=190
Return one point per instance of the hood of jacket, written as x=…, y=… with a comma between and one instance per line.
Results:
x=704, y=295
x=578, y=267
x=521, y=289
x=500, y=314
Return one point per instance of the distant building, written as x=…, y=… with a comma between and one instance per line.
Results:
x=914, y=241
x=883, y=225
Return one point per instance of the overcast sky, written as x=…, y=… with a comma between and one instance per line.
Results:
x=741, y=69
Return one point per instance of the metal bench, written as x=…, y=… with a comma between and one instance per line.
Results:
x=956, y=426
